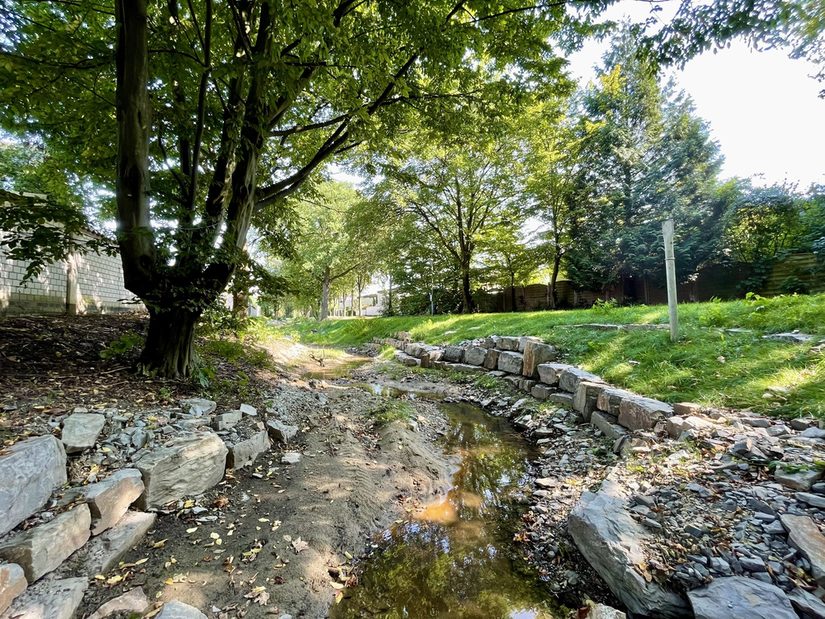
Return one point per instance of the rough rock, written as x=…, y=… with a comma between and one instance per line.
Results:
x=687, y=409
x=453, y=354
x=29, y=472
x=509, y=343
x=405, y=359
x=248, y=410
x=542, y=392
x=491, y=359
x=227, y=421
x=817, y=433
x=676, y=425
x=105, y=551
x=600, y=611
x=475, y=355
x=109, y=499
x=291, y=457
x=179, y=610
x=549, y=373
x=245, y=452
x=43, y=548
x=133, y=601
x=280, y=432
x=49, y=599
x=638, y=413
x=572, y=376
x=796, y=479
x=510, y=362
x=12, y=584
x=611, y=541
x=464, y=368
x=525, y=340
x=80, y=431
x=585, y=398
x=610, y=399
x=807, y=605
x=793, y=337
x=607, y=424
x=187, y=465
x=736, y=597
x=804, y=535
x=536, y=353
x=198, y=407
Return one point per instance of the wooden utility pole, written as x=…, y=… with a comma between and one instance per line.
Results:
x=670, y=270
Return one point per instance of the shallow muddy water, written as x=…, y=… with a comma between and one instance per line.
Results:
x=456, y=558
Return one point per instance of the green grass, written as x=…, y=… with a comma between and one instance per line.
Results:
x=392, y=410
x=707, y=365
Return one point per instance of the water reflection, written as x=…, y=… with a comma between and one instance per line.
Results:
x=456, y=557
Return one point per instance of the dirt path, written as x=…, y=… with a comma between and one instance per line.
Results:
x=278, y=539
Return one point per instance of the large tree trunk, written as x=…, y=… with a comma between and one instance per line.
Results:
x=324, y=314
x=240, y=304
x=513, y=307
x=467, y=303
x=168, y=351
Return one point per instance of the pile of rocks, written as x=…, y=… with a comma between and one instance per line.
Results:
x=683, y=511
x=154, y=458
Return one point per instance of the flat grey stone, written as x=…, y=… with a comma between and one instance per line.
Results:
x=248, y=410
x=475, y=355
x=804, y=535
x=247, y=451
x=29, y=472
x=676, y=425
x=133, y=601
x=508, y=343
x=607, y=424
x=198, y=407
x=464, y=368
x=796, y=479
x=291, y=457
x=736, y=597
x=80, y=431
x=813, y=433
x=12, y=584
x=612, y=542
x=43, y=548
x=280, y=432
x=572, y=376
x=549, y=373
x=610, y=399
x=104, y=552
x=814, y=500
x=226, y=421
x=178, y=610
x=806, y=604
x=541, y=391
x=510, y=362
x=638, y=413
x=453, y=354
x=586, y=396
x=491, y=359
x=109, y=499
x=49, y=599
x=187, y=465
x=793, y=337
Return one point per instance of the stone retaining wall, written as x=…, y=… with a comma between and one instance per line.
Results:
x=529, y=364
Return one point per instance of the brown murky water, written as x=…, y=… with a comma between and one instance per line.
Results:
x=456, y=558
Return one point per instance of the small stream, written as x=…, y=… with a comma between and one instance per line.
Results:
x=456, y=558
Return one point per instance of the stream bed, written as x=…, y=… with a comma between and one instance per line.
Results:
x=457, y=557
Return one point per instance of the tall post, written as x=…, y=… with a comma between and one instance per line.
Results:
x=670, y=269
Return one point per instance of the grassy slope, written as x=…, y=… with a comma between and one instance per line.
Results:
x=707, y=366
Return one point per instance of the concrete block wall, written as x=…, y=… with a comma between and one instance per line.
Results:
x=98, y=288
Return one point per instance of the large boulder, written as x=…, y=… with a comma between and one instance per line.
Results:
x=109, y=499
x=188, y=465
x=585, y=397
x=12, y=584
x=736, y=597
x=80, y=431
x=611, y=541
x=43, y=548
x=610, y=399
x=453, y=354
x=804, y=534
x=510, y=362
x=639, y=413
x=49, y=599
x=508, y=343
x=29, y=472
x=491, y=359
x=536, y=353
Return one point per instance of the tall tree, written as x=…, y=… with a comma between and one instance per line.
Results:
x=228, y=108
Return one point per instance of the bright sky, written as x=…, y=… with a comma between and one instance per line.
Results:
x=763, y=107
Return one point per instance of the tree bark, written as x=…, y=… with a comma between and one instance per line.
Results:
x=240, y=304
x=324, y=314
x=169, y=344
x=554, y=278
x=467, y=304
x=513, y=307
